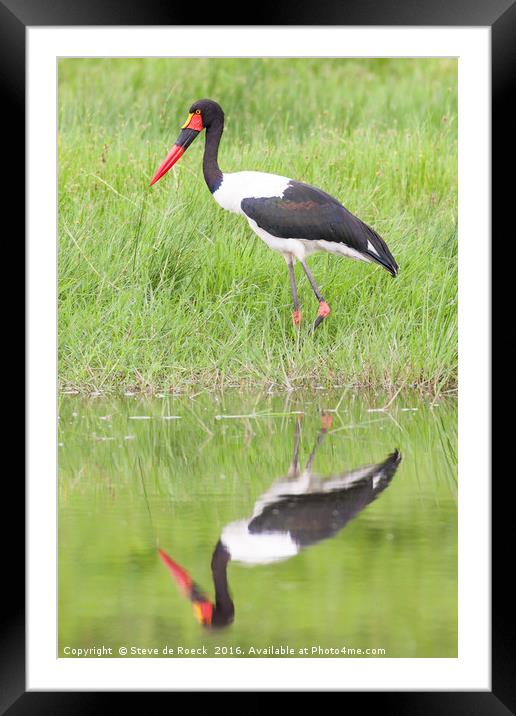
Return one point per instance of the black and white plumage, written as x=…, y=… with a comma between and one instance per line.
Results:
x=298, y=510
x=304, y=508
x=293, y=218
x=299, y=219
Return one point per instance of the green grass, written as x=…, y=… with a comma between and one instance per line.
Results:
x=160, y=288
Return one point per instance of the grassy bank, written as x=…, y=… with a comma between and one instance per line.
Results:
x=160, y=288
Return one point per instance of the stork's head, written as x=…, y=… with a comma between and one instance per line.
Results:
x=208, y=111
x=207, y=613
x=203, y=114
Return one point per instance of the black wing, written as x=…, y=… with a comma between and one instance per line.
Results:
x=305, y=212
x=312, y=517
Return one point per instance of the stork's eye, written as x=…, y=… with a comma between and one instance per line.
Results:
x=197, y=111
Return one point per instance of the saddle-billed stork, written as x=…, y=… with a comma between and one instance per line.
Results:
x=293, y=218
x=297, y=511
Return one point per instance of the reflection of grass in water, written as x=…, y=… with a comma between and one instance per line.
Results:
x=388, y=579
x=161, y=287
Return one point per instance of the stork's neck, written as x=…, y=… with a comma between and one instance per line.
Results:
x=224, y=608
x=210, y=165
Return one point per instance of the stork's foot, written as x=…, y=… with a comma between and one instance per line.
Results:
x=297, y=316
x=324, y=310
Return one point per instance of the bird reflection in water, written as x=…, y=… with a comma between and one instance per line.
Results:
x=297, y=511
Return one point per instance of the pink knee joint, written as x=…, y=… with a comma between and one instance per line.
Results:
x=324, y=309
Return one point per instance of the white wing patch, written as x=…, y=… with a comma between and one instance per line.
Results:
x=372, y=248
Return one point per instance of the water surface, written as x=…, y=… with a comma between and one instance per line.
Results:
x=324, y=525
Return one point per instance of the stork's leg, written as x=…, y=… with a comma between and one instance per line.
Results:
x=293, y=286
x=324, y=309
x=294, y=465
x=326, y=421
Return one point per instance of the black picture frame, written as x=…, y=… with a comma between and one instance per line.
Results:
x=500, y=16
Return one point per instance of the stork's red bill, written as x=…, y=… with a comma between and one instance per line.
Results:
x=189, y=131
x=201, y=605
